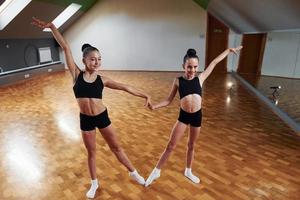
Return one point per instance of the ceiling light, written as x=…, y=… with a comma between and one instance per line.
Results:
x=65, y=15
x=10, y=9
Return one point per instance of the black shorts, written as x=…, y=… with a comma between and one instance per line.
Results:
x=89, y=123
x=194, y=119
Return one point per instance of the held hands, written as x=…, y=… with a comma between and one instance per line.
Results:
x=151, y=106
x=148, y=102
x=39, y=23
x=235, y=50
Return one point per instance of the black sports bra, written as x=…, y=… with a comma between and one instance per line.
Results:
x=83, y=89
x=187, y=87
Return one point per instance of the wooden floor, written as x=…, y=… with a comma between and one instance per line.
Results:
x=287, y=98
x=244, y=151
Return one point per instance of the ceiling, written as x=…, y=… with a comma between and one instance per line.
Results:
x=242, y=16
x=1, y=2
x=256, y=16
x=46, y=10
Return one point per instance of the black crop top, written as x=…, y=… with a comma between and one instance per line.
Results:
x=187, y=87
x=83, y=89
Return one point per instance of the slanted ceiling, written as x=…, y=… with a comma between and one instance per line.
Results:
x=257, y=16
x=46, y=10
x=202, y=3
x=86, y=4
x=1, y=2
x=242, y=16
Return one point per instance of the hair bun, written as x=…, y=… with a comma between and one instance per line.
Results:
x=191, y=52
x=84, y=46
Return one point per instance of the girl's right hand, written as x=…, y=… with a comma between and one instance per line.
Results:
x=39, y=23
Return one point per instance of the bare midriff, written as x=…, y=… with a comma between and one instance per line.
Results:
x=90, y=106
x=191, y=103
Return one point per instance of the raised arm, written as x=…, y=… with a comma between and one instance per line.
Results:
x=73, y=68
x=170, y=98
x=127, y=88
x=203, y=76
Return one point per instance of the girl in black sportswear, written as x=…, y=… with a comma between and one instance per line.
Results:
x=189, y=87
x=88, y=86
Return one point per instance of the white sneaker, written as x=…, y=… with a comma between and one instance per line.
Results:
x=138, y=178
x=188, y=173
x=92, y=191
x=155, y=174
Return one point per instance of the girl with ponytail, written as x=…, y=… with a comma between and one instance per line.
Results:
x=88, y=87
x=189, y=87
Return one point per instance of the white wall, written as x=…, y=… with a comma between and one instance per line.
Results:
x=281, y=57
x=233, y=41
x=141, y=35
x=297, y=69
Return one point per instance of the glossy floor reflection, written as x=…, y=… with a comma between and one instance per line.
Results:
x=287, y=97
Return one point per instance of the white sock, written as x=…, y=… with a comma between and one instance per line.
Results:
x=138, y=178
x=188, y=173
x=155, y=174
x=92, y=191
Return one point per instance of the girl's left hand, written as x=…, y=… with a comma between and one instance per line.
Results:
x=235, y=50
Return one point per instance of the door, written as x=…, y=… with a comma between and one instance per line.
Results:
x=216, y=42
x=251, y=56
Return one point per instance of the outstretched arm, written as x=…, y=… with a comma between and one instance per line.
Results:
x=169, y=99
x=203, y=76
x=61, y=41
x=127, y=88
